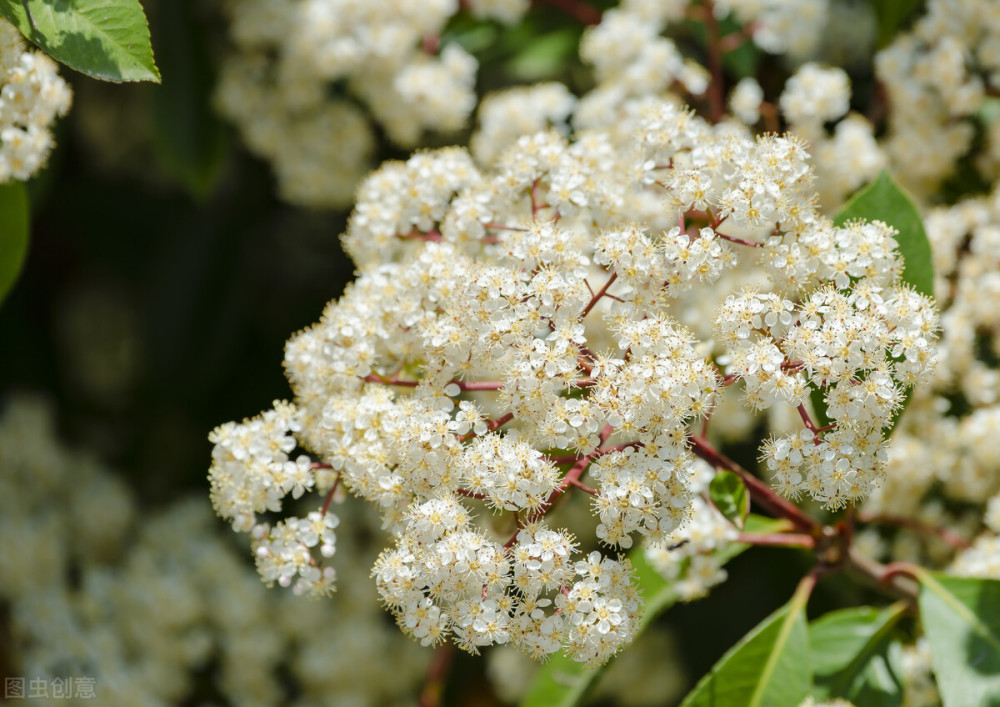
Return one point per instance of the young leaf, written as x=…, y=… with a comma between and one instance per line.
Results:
x=104, y=39
x=961, y=617
x=730, y=497
x=769, y=666
x=13, y=233
x=844, y=645
x=562, y=682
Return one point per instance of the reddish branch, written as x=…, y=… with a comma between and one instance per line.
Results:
x=600, y=293
x=779, y=539
x=329, y=496
x=832, y=545
x=437, y=675
x=500, y=421
x=739, y=241
x=811, y=426
x=716, y=87
x=463, y=385
x=580, y=11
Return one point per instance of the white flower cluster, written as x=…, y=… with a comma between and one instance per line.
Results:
x=512, y=330
x=859, y=339
x=251, y=474
x=445, y=576
x=633, y=55
x=745, y=100
x=31, y=96
x=937, y=77
x=504, y=116
x=299, y=68
x=631, y=58
x=687, y=556
x=815, y=95
x=152, y=604
x=781, y=27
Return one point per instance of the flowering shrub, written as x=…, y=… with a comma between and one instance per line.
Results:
x=700, y=259
x=569, y=315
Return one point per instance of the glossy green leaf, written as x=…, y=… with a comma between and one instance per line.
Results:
x=730, y=497
x=961, y=618
x=562, y=682
x=104, y=39
x=891, y=15
x=189, y=140
x=848, y=651
x=13, y=233
x=769, y=667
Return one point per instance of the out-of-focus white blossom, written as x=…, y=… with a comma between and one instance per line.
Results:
x=299, y=68
x=151, y=603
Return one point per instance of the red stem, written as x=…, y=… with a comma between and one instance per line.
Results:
x=329, y=496
x=463, y=385
x=582, y=12
x=716, y=87
x=501, y=421
x=600, y=293
x=778, y=539
x=583, y=487
x=759, y=491
x=437, y=674
x=739, y=241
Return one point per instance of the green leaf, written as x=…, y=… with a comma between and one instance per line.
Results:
x=891, y=15
x=769, y=667
x=104, y=39
x=730, y=497
x=13, y=233
x=189, y=140
x=961, y=618
x=563, y=682
x=884, y=200
x=545, y=56
x=848, y=651
x=881, y=682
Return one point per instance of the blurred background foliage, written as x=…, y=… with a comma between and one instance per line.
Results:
x=164, y=276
